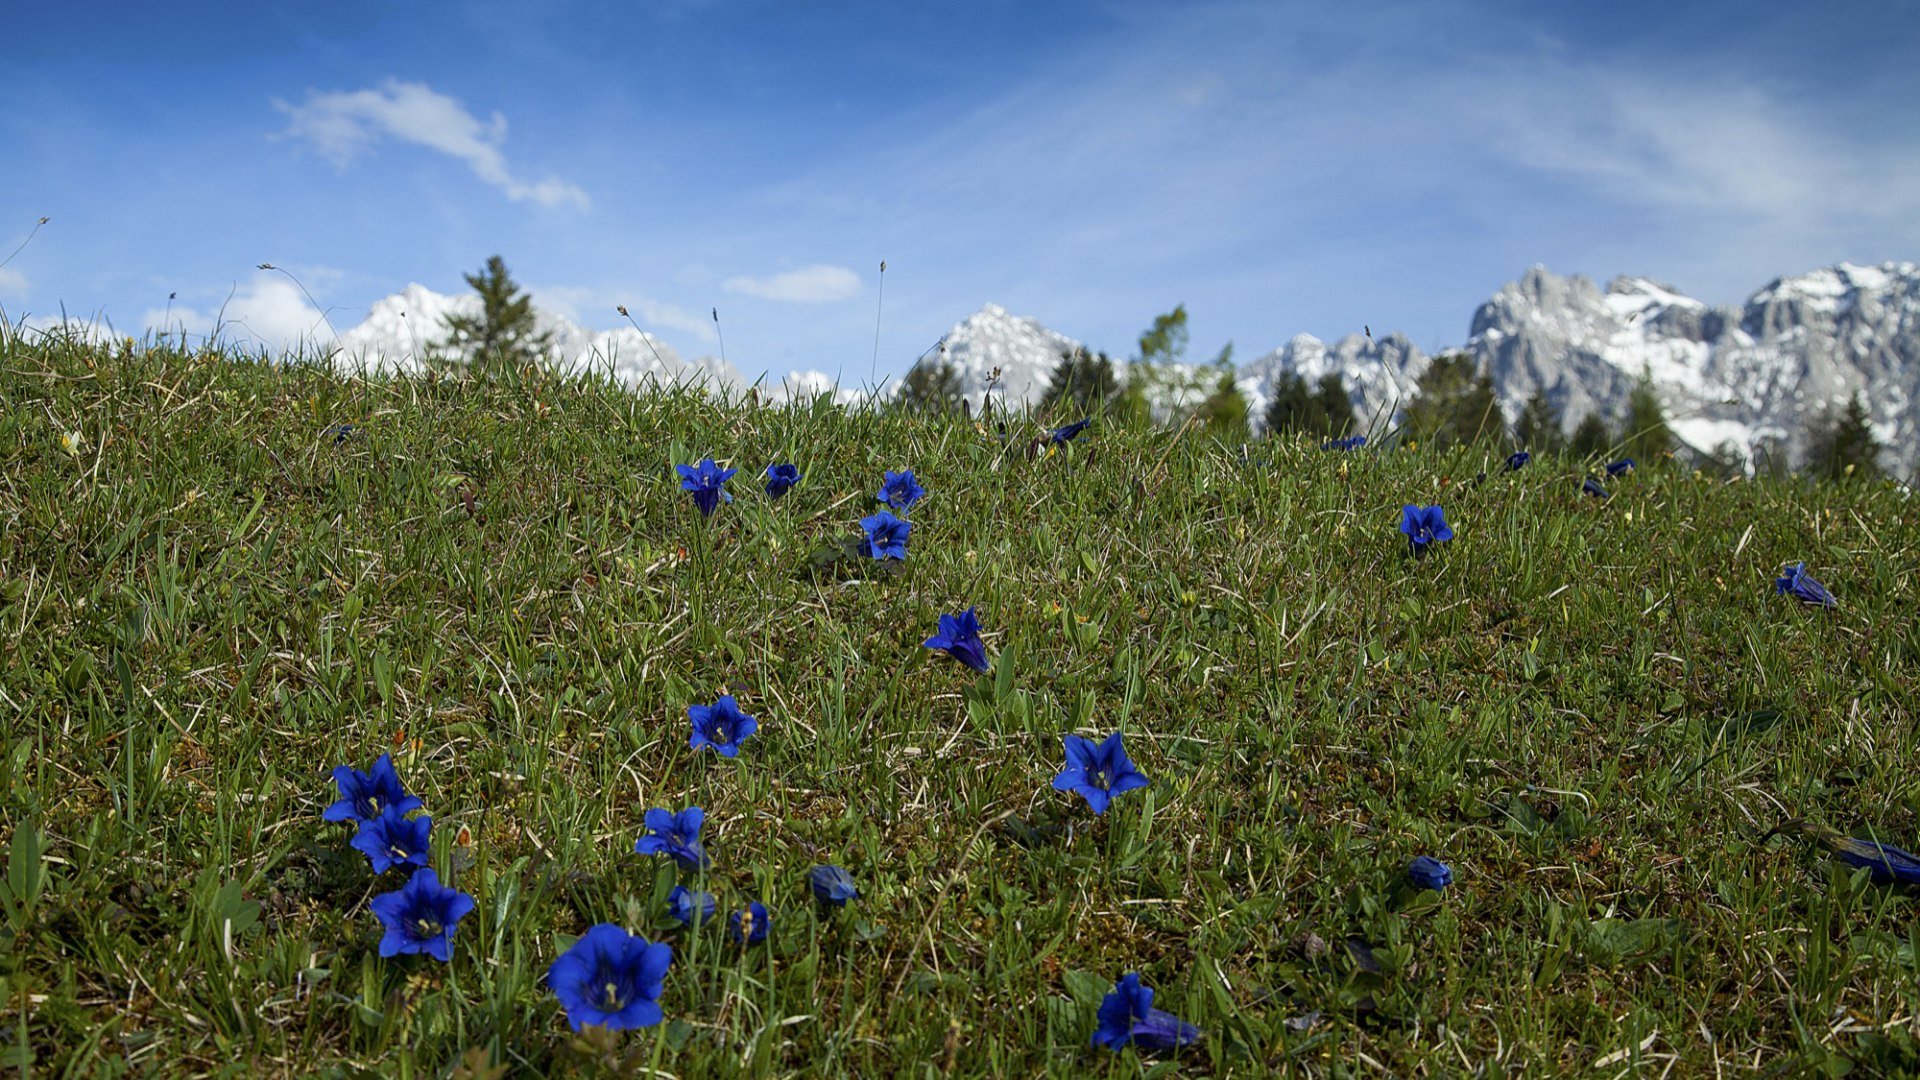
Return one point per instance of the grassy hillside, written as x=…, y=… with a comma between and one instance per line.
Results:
x=211, y=594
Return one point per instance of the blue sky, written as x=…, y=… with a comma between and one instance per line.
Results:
x=1277, y=167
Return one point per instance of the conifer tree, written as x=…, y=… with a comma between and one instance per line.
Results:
x=1224, y=412
x=503, y=336
x=930, y=386
x=1083, y=384
x=1291, y=408
x=1335, y=406
x=1454, y=402
x=1646, y=435
x=1590, y=437
x=1165, y=342
x=1538, y=428
x=1842, y=438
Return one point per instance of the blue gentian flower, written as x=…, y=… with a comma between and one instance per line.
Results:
x=1886, y=863
x=721, y=725
x=959, y=637
x=393, y=839
x=886, y=536
x=899, y=490
x=1063, y=435
x=1592, y=487
x=1127, y=1016
x=1518, y=460
x=677, y=835
x=1797, y=583
x=364, y=795
x=1424, y=526
x=1351, y=442
x=420, y=916
x=780, y=479
x=707, y=481
x=750, y=927
x=1427, y=872
x=1098, y=773
x=688, y=905
x=832, y=885
x=611, y=979
x=1621, y=467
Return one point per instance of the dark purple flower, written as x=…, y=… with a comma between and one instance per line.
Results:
x=1424, y=527
x=1127, y=1016
x=611, y=979
x=1063, y=435
x=750, y=927
x=677, y=835
x=1427, y=872
x=689, y=905
x=1621, y=467
x=1518, y=460
x=1886, y=863
x=1098, y=772
x=900, y=490
x=886, y=536
x=959, y=637
x=832, y=885
x=1797, y=583
x=1351, y=442
x=393, y=839
x=363, y=795
x=780, y=479
x=707, y=481
x=420, y=916
x=721, y=725
x=1592, y=487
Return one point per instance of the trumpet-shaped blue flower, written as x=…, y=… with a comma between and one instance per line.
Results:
x=721, y=725
x=900, y=490
x=689, y=905
x=364, y=795
x=1098, y=772
x=611, y=979
x=1884, y=862
x=420, y=916
x=1351, y=442
x=677, y=835
x=393, y=839
x=1592, y=487
x=1518, y=460
x=1127, y=1016
x=1621, y=467
x=1797, y=583
x=832, y=885
x=886, y=536
x=780, y=479
x=1424, y=526
x=750, y=927
x=707, y=481
x=959, y=637
x=1427, y=872
x=1062, y=435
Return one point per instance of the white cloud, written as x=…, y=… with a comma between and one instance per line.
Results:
x=12, y=282
x=268, y=313
x=818, y=284
x=342, y=124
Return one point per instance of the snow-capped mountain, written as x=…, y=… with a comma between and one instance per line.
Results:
x=1013, y=354
x=1379, y=373
x=402, y=331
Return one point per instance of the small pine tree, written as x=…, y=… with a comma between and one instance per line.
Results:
x=1224, y=412
x=1843, y=438
x=1590, y=437
x=503, y=336
x=1646, y=435
x=1335, y=406
x=1292, y=408
x=931, y=386
x=1083, y=384
x=1538, y=428
x=1454, y=403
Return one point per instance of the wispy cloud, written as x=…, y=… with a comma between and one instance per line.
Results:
x=818, y=284
x=268, y=312
x=342, y=124
x=12, y=282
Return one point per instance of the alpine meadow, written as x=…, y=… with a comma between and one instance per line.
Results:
x=501, y=721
